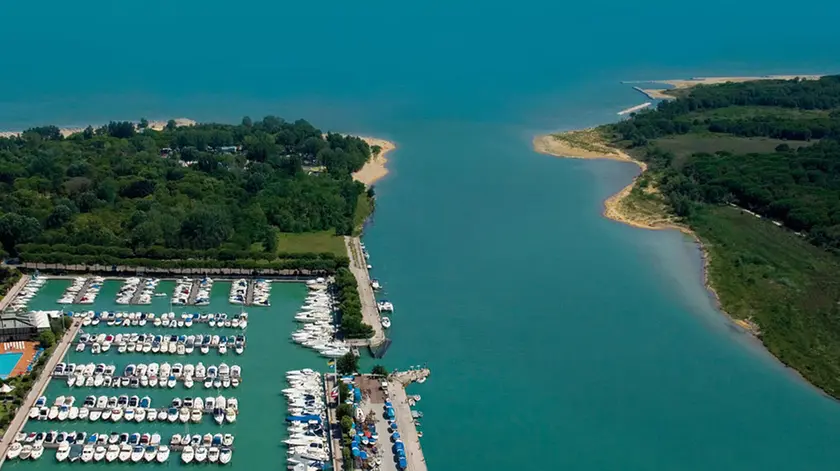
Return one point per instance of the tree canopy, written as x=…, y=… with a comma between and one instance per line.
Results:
x=208, y=188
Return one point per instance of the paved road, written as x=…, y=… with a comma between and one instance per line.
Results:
x=358, y=266
x=37, y=389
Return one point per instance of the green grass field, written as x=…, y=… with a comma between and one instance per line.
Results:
x=317, y=242
x=684, y=145
x=788, y=286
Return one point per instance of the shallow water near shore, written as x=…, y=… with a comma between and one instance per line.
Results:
x=553, y=334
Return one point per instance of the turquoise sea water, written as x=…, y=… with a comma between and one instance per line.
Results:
x=555, y=336
x=8, y=361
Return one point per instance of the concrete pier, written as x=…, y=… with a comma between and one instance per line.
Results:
x=249, y=294
x=82, y=292
x=193, y=292
x=38, y=387
x=370, y=314
x=13, y=292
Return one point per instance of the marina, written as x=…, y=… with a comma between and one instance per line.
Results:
x=193, y=420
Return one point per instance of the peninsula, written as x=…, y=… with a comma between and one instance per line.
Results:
x=749, y=166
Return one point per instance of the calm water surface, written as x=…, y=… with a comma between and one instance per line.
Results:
x=555, y=336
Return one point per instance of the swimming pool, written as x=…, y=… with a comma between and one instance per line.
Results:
x=8, y=361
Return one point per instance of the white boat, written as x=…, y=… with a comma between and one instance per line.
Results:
x=137, y=454
x=386, y=322
x=187, y=454
x=227, y=440
x=213, y=454
x=230, y=415
x=37, y=451
x=200, y=454
x=87, y=453
x=149, y=453
x=162, y=453
x=125, y=452
x=61, y=454
x=15, y=449
x=225, y=454
x=112, y=453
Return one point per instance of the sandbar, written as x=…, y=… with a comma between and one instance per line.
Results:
x=375, y=168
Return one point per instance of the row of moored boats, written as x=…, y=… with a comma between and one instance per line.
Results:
x=150, y=375
x=167, y=319
x=124, y=447
x=138, y=291
x=153, y=343
x=136, y=409
x=318, y=331
x=307, y=442
x=83, y=288
x=26, y=293
x=184, y=288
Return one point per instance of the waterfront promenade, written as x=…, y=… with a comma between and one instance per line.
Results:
x=37, y=389
x=370, y=314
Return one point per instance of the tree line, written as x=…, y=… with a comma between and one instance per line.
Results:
x=798, y=187
x=212, y=190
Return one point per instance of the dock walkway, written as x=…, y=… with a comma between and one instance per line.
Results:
x=193, y=292
x=408, y=431
x=12, y=294
x=38, y=388
x=82, y=292
x=370, y=314
x=249, y=294
x=135, y=299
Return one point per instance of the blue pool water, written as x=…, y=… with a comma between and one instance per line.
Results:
x=8, y=361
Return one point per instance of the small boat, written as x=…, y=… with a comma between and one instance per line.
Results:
x=200, y=454
x=187, y=454
x=15, y=449
x=87, y=453
x=125, y=452
x=149, y=453
x=162, y=453
x=112, y=453
x=37, y=451
x=62, y=453
x=213, y=454
x=386, y=322
x=137, y=454
x=99, y=453
x=225, y=455
x=26, y=452
x=227, y=440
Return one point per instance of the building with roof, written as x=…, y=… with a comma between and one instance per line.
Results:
x=22, y=325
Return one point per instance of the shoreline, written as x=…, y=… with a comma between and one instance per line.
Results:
x=67, y=131
x=587, y=144
x=376, y=168
x=682, y=84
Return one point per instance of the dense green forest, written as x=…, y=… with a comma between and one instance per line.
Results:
x=204, y=192
x=799, y=187
x=786, y=279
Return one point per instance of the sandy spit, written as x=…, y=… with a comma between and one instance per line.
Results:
x=375, y=168
x=593, y=146
x=658, y=94
x=67, y=131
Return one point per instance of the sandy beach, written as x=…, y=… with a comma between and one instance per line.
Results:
x=156, y=125
x=375, y=168
x=660, y=94
x=589, y=144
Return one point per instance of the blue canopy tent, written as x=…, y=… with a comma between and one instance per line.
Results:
x=363, y=455
x=355, y=451
x=395, y=436
x=402, y=463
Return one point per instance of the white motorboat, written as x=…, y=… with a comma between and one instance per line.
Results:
x=15, y=449
x=125, y=452
x=149, y=453
x=200, y=454
x=112, y=453
x=62, y=453
x=37, y=451
x=213, y=454
x=99, y=452
x=162, y=453
x=225, y=454
x=87, y=453
x=187, y=454
x=137, y=454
